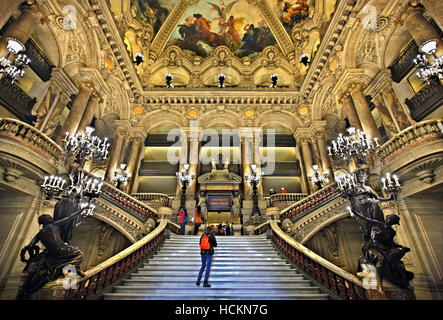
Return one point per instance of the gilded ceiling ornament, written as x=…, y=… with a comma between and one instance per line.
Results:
x=249, y=113
x=192, y=113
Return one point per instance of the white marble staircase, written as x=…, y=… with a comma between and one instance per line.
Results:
x=243, y=267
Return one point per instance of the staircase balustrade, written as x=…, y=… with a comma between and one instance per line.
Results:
x=310, y=202
x=159, y=199
x=23, y=133
x=99, y=278
x=415, y=134
x=343, y=284
x=275, y=199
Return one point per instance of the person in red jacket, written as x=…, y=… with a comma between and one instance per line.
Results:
x=183, y=215
x=207, y=245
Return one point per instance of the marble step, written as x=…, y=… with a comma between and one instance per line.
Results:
x=216, y=296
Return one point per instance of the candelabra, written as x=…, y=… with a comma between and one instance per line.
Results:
x=274, y=78
x=318, y=179
x=254, y=180
x=358, y=145
x=120, y=176
x=429, y=70
x=14, y=69
x=185, y=178
x=221, y=80
x=85, y=146
x=53, y=186
x=168, y=79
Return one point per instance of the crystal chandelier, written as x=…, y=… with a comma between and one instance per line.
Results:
x=14, y=69
x=185, y=178
x=318, y=179
x=85, y=146
x=429, y=70
x=358, y=145
x=121, y=176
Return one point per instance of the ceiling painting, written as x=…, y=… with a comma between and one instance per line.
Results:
x=292, y=12
x=233, y=23
x=154, y=12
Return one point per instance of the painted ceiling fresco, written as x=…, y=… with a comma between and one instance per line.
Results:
x=233, y=23
x=154, y=12
x=292, y=12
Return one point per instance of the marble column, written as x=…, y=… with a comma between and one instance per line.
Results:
x=76, y=113
x=364, y=114
x=123, y=158
x=8, y=9
x=246, y=159
x=303, y=179
x=134, y=153
x=194, y=151
x=257, y=160
x=89, y=113
x=54, y=117
x=420, y=29
x=22, y=28
x=402, y=118
x=183, y=159
x=307, y=160
x=114, y=157
x=135, y=182
x=386, y=118
x=325, y=159
x=350, y=111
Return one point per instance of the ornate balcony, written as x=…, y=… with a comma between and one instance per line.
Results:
x=14, y=99
x=428, y=99
x=154, y=200
x=404, y=63
x=284, y=200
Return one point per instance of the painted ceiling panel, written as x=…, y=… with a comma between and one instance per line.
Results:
x=154, y=12
x=234, y=23
x=292, y=12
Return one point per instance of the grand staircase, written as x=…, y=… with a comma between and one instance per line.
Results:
x=243, y=267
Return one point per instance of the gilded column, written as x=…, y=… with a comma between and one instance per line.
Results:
x=22, y=28
x=402, y=118
x=386, y=118
x=420, y=29
x=115, y=155
x=257, y=160
x=325, y=159
x=76, y=113
x=89, y=112
x=364, y=114
x=183, y=158
x=135, y=182
x=246, y=159
x=123, y=158
x=8, y=9
x=307, y=159
x=194, y=151
x=303, y=180
x=134, y=154
x=351, y=113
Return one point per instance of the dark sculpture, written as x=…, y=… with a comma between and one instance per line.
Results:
x=67, y=205
x=48, y=265
x=379, y=248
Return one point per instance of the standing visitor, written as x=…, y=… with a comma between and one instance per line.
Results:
x=283, y=190
x=183, y=220
x=197, y=219
x=207, y=245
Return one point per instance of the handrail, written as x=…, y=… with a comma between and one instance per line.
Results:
x=287, y=197
x=109, y=192
x=263, y=227
x=160, y=198
x=409, y=135
x=106, y=273
x=31, y=135
x=310, y=202
x=342, y=283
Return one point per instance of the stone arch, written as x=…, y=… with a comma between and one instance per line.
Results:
x=226, y=117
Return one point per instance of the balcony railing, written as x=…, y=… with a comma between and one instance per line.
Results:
x=343, y=284
x=427, y=100
x=416, y=134
x=404, y=63
x=276, y=200
x=153, y=199
x=14, y=129
x=311, y=202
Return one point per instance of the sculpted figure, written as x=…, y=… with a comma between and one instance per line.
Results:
x=48, y=265
x=203, y=205
x=235, y=206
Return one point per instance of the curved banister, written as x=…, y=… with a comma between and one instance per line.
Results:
x=310, y=201
x=31, y=135
x=344, y=284
x=109, y=192
x=106, y=273
x=263, y=227
x=409, y=135
x=160, y=198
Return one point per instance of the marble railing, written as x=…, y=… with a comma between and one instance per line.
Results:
x=19, y=130
x=283, y=200
x=153, y=199
x=310, y=202
x=343, y=284
x=416, y=134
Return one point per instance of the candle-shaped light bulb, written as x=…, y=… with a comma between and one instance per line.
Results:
x=384, y=182
x=46, y=179
x=350, y=211
x=397, y=184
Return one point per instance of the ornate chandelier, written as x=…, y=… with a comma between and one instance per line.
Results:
x=121, y=176
x=318, y=179
x=357, y=145
x=429, y=70
x=85, y=146
x=14, y=69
